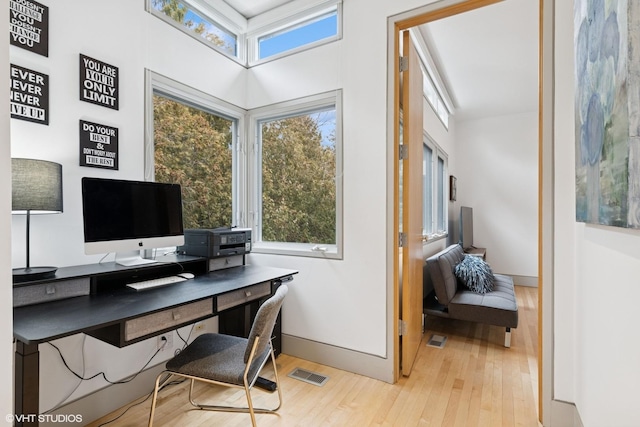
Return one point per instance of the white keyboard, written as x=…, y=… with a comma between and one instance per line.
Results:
x=154, y=283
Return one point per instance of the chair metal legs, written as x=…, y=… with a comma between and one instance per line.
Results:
x=247, y=388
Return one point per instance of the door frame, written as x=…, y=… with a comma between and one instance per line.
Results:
x=443, y=9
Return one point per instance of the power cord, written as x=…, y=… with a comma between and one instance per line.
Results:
x=64, y=399
x=126, y=380
x=104, y=376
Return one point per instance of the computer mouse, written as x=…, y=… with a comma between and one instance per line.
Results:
x=186, y=275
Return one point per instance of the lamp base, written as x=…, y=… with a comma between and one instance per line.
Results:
x=33, y=273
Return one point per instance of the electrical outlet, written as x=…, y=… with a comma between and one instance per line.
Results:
x=199, y=327
x=165, y=342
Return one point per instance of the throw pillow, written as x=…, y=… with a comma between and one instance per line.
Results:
x=475, y=273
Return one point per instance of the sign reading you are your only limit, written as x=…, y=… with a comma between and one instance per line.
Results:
x=98, y=82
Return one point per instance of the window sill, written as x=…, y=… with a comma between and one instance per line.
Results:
x=434, y=238
x=298, y=249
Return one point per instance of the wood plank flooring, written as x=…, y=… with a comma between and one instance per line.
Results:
x=472, y=381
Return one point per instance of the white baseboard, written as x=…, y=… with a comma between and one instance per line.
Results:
x=106, y=400
x=341, y=358
x=529, y=281
x=564, y=414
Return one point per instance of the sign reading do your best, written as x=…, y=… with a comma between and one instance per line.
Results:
x=98, y=145
x=98, y=82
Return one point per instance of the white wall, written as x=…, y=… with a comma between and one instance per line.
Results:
x=6, y=317
x=132, y=41
x=341, y=303
x=497, y=171
x=596, y=280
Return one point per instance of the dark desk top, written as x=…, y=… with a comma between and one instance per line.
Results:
x=47, y=321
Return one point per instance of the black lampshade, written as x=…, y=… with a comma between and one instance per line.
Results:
x=36, y=189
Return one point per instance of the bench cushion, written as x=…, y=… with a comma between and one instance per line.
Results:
x=441, y=266
x=498, y=307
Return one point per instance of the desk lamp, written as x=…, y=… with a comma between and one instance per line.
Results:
x=36, y=189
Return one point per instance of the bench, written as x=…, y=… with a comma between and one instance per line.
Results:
x=452, y=299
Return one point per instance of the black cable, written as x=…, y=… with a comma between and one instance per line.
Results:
x=186, y=342
x=104, y=376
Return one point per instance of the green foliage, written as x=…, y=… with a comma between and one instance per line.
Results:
x=193, y=149
x=298, y=182
x=177, y=11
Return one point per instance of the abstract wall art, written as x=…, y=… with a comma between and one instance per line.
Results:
x=607, y=111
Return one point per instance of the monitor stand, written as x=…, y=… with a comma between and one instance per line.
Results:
x=129, y=259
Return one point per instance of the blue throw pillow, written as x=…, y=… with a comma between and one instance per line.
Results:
x=475, y=273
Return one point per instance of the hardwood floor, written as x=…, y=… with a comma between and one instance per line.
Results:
x=472, y=381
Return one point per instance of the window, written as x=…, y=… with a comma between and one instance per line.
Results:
x=304, y=30
x=286, y=184
x=193, y=145
x=297, y=162
x=435, y=99
x=435, y=91
x=305, y=33
x=435, y=203
x=427, y=186
x=196, y=23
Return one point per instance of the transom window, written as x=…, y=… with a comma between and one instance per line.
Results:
x=196, y=23
x=305, y=33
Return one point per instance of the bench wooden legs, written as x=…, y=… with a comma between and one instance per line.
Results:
x=507, y=338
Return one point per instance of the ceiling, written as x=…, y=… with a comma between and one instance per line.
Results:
x=488, y=58
x=251, y=8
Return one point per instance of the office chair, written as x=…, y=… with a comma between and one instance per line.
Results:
x=228, y=360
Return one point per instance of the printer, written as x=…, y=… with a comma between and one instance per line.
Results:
x=223, y=246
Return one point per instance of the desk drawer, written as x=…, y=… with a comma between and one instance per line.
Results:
x=167, y=319
x=241, y=296
x=51, y=291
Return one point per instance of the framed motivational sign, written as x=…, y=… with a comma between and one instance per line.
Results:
x=98, y=82
x=29, y=95
x=29, y=26
x=98, y=145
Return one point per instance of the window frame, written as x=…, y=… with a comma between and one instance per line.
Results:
x=439, y=187
x=274, y=112
x=296, y=20
x=214, y=18
x=164, y=86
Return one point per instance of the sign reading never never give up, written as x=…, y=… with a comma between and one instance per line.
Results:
x=29, y=95
x=98, y=82
x=29, y=26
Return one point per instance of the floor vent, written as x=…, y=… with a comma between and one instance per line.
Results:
x=437, y=341
x=309, y=377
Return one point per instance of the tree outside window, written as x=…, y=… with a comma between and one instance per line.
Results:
x=299, y=178
x=193, y=148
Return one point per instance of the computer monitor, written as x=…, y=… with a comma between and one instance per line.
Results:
x=466, y=227
x=128, y=216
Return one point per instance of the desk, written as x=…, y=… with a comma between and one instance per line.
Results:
x=121, y=316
